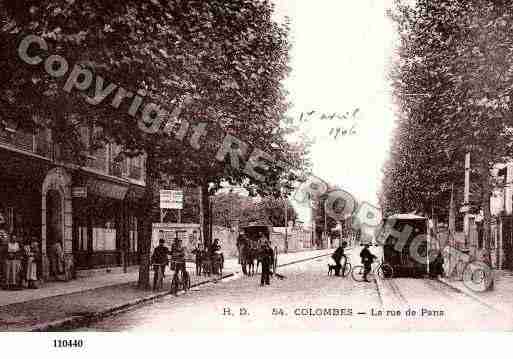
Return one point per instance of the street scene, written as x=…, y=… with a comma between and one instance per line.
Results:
x=309, y=300
x=254, y=166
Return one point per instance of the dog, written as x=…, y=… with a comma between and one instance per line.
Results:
x=331, y=269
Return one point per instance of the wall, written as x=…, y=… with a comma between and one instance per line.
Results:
x=189, y=233
x=227, y=239
x=298, y=239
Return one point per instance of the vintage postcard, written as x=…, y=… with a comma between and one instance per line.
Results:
x=255, y=167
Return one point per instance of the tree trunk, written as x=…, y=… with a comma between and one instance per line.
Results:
x=207, y=218
x=487, y=216
x=147, y=223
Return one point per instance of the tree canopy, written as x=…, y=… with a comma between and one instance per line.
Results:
x=170, y=79
x=452, y=80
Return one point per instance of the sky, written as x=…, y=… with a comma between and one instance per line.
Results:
x=341, y=52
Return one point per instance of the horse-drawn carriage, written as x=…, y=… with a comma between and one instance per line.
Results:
x=251, y=251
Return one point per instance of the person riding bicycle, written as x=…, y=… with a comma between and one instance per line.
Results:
x=337, y=257
x=367, y=259
x=178, y=257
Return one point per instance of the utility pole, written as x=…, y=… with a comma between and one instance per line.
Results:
x=325, y=225
x=467, y=197
x=286, y=225
x=201, y=215
x=452, y=225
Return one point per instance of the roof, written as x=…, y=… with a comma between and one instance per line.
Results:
x=406, y=216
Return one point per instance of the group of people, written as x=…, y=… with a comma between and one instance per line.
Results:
x=367, y=258
x=201, y=254
x=21, y=261
x=265, y=255
x=162, y=256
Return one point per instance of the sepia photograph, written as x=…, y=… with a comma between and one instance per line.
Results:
x=255, y=167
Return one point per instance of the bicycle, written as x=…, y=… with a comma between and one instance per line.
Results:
x=158, y=276
x=346, y=268
x=382, y=269
x=181, y=278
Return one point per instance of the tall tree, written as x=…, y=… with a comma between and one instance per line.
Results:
x=457, y=56
x=226, y=58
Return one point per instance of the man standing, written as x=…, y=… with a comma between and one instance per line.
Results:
x=367, y=259
x=178, y=256
x=267, y=261
x=337, y=257
x=159, y=260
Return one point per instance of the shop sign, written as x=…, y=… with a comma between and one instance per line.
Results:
x=171, y=199
x=79, y=192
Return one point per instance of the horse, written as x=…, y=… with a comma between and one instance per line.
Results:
x=250, y=260
x=247, y=260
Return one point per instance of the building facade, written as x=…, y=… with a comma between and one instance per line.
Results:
x=90, y=210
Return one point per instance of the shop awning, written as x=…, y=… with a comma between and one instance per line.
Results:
x=106, y=189
x=134, y=193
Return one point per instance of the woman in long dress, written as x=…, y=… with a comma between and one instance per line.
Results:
x=29, y=272
x=34, y=245
x=12, y=265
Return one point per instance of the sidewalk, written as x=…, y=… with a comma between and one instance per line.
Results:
x=64, y=305
x=499, y=298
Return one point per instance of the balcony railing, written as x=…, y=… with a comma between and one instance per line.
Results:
x=40, y=145
x=37, y=144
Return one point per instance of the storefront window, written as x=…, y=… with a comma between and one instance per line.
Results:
x=133, y=234
x=82, y=238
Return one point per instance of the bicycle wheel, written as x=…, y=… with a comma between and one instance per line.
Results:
x=478, y=276
x=186, y=281
x=174, y=285
x=385, y=271
x=357, y=273
x=346, y=269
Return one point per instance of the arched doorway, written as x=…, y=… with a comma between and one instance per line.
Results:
x=53, y=219
x=56, y=217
